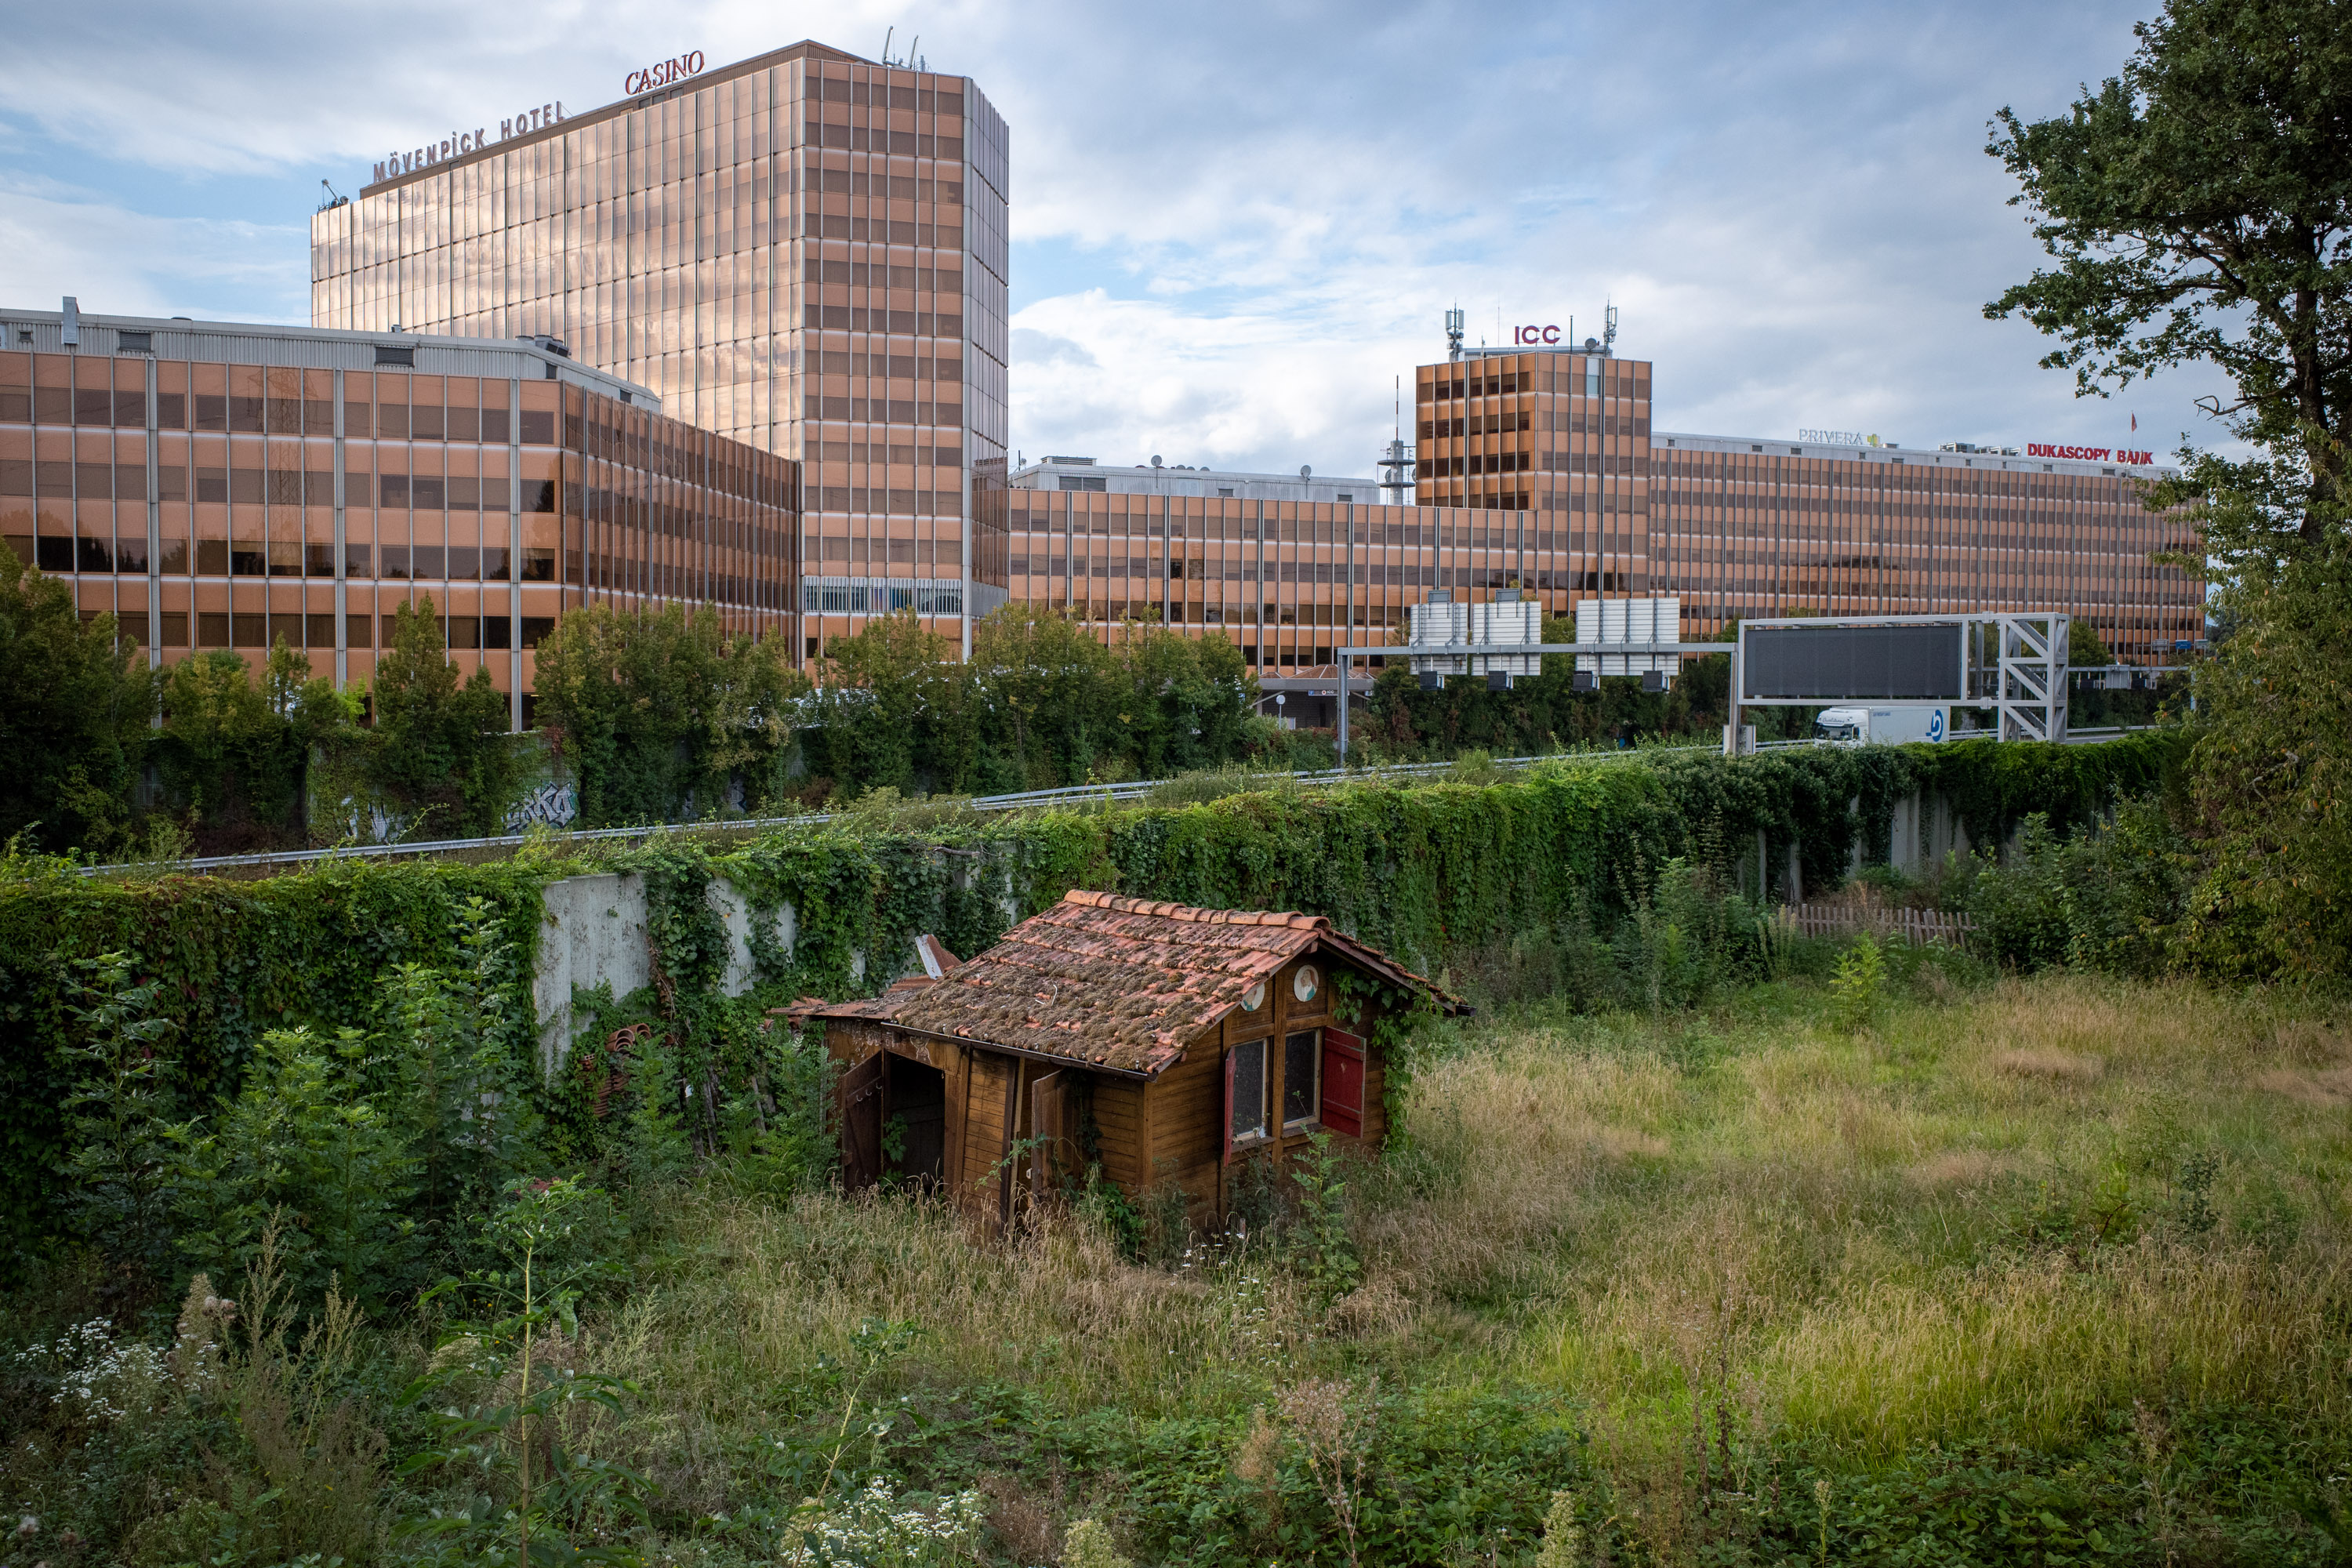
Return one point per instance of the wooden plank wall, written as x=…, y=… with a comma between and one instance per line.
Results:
x=1187, y=1124
x=1118, y=1110
x=985, y=1132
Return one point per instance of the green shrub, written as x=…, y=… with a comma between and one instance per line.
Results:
x=2109, y=898
x=122, y=1174
x=1858, y=987
x=306, y=1155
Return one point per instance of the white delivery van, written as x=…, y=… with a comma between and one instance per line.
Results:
x=1881, y=726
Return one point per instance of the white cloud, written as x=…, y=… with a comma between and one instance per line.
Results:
x=55, y=242
x=1250, y=216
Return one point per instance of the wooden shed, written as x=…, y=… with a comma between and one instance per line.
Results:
x=1163, y=1043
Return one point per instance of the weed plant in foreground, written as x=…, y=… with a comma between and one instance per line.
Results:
x=1992, y=1271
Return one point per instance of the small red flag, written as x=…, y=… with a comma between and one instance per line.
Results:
x=2135, y=421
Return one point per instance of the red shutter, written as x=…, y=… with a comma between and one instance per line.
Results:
x=1343, y=1082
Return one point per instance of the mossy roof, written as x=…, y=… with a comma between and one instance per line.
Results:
x=1116, y=983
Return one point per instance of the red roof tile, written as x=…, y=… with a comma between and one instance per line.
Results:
x=1126, y=982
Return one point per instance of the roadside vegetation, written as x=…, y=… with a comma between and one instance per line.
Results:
x=1882, y=1258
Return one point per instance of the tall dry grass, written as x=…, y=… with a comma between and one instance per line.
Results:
x=1864, y=1230
x=1861, y=1238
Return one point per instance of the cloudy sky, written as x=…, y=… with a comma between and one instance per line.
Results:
x=1234, y=225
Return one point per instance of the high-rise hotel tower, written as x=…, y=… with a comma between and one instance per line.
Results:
x=804, y=251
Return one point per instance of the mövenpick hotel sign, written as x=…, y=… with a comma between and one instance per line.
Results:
x=457, y=143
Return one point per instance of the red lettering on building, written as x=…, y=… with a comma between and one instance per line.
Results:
x=675, y=68
x=2088, y=454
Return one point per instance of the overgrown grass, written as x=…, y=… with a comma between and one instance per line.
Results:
x=2017, y=1261
x=1995, y=1215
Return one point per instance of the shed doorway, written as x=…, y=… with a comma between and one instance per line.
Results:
x=914, y=1102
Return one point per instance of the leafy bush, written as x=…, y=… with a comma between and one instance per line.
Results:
x=305, y=1156
x=122, y=1172
x=2107, y=899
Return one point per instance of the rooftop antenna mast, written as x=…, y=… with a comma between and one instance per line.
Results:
x=1609, y=332
x=1396, y=465
x=1453, y=333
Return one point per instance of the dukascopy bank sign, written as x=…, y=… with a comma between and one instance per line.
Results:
x=2088, y=454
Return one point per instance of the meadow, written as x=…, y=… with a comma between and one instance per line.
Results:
x=1939, y=1267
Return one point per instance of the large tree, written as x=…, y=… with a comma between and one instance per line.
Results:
x=2198, y=208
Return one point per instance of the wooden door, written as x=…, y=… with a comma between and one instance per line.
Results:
x=1343, y=1082
x=1051, y=1150
x=858, y=1094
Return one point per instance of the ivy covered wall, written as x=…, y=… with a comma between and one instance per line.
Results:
x=1429, y=873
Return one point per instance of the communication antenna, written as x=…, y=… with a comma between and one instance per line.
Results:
x=1396, y=464
x=1608, y=332
x=1453, y=333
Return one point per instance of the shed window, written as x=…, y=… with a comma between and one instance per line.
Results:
x=1245, y=1086
x=1302, y=1060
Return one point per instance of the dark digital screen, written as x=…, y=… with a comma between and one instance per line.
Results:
x=1830, y=664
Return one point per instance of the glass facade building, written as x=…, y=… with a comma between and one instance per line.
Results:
x=1742, y=528
x=1289, y=570
x=221, y=485
x=805, y=252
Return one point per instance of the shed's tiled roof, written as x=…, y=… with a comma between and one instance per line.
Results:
x=1124, y=984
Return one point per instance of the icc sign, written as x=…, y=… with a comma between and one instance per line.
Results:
x=1530, y=337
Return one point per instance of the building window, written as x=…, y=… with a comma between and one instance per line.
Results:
x=134, y=343
x=1302, y=1059
x=1246, y=1087
x=401, y=356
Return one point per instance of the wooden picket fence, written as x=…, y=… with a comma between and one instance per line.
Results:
x=1918, y=928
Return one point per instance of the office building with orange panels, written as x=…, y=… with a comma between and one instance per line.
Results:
x=221, y=485
x=1746, y=528
x=806, y=252
x=1289, y=568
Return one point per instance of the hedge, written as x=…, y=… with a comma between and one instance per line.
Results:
x=1428, y=872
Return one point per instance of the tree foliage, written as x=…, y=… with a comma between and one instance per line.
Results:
x=233, y=752
x=1043, y=702
x=2199, y=208
x=439, y=742
x=659, y=710
x=76, y=700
